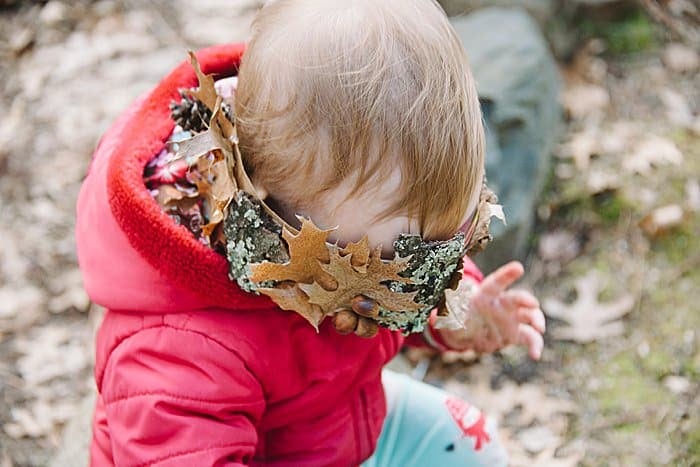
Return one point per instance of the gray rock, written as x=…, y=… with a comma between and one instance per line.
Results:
x=518, y=84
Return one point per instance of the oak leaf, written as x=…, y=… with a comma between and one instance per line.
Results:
x=206, y=92
x=307, y=251
x=359, y=252
x=352, y=283
x=289, y=297
x=218, y=189
x=587, y=318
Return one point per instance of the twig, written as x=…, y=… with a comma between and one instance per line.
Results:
x=677, y=25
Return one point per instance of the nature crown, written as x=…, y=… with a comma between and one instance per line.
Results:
x=298, y=269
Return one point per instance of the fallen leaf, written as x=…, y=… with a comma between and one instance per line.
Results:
x=681, y=58
x=651, y=152
x=539, y=438
x=677, y=384
x=16, y=300
x=560, y=245
x=618, y=137
x=692, y=195
x=547, y=459
x=523, y=404
x=587, y=318
x=585, y=100
x=599, y=180
x=39, y=419
x=581, y=147
x=662, y=219
x=677, y=108
x=59, y=354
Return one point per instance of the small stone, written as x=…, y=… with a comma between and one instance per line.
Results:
x=692, y=195
x=561, y=245
x=21, y=41
x=53, y=13
x=677, y=384
x=681, y=58
x=538, y=438
x=643, y=349
x=662, y=219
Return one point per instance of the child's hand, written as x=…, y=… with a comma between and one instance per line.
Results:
x=499, y=317
x=359, y=319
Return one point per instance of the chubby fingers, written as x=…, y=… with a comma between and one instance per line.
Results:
x=364, y=306
x=501, y=278
x=514, y=299
x=533, y=340
x=532, y=316
x=347, y=321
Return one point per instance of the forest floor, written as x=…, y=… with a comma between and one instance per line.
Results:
x=615, y=256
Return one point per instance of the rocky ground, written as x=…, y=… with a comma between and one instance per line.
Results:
x=615, y=255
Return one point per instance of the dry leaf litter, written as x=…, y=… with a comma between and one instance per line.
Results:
x=623, y=107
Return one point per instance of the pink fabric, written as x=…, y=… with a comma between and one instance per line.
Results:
x=190, y=369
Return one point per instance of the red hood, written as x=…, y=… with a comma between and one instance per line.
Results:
x=132, y=255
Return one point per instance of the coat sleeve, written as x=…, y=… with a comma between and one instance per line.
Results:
x=176, y=397
x=430, y=338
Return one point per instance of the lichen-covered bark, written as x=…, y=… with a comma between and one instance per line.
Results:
x=431, y=268
x=251, y=237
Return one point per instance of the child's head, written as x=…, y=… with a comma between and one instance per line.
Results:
x=362, y=114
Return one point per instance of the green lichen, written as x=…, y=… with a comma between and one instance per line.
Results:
x=430, y=267
x=251, y=237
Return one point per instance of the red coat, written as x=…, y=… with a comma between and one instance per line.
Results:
x=190, y=369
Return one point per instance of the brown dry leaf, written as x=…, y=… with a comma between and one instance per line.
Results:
x=488, y=208
x=207, y=94
x=289, y=297
x=207, y=89
x=652, y=152
x=307, y=250
x=662, y=219
x=352, y=283
x=168, y=194
x=360, y=254
x=587, y=318
x=218, y=193
x=200, y=144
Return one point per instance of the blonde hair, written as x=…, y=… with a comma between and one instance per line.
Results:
x=331, y=89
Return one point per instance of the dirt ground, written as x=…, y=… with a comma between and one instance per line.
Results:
x=615, y=258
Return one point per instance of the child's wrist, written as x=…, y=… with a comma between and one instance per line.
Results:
x=441, y=339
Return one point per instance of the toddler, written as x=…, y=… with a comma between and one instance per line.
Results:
x=360, y=115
